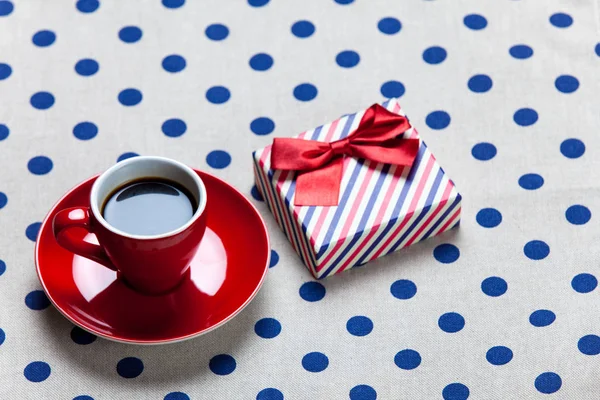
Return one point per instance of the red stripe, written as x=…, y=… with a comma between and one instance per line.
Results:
x=411, y=209
x=263, y=158
x=350, y=218
x=449, y=221
x=437, y=211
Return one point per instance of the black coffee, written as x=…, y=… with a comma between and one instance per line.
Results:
x=149, y=207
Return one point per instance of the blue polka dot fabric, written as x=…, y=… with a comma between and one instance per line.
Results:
x=505, y=95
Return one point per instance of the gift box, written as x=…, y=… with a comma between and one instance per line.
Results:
x=372, y=209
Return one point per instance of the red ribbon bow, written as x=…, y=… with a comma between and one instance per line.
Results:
x=320, y=164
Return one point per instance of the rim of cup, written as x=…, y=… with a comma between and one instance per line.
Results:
x=95, y=201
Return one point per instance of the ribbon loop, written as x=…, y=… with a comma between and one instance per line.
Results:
x=319, y=165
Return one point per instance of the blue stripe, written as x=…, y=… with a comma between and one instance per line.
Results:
x=340, y=208
x=399, y=203
x=423, y=213
x=364, y=218
x=311, y=210
x=448, y=211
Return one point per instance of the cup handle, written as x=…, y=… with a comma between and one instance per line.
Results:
x=78, y=217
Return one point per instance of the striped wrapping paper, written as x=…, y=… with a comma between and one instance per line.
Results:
x=382, y=207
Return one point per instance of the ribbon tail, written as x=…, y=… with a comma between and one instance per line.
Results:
x=320, y=187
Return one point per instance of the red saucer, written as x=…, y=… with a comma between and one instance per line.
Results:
x=225, y=275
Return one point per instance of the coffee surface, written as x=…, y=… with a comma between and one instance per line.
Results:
x=149, y=207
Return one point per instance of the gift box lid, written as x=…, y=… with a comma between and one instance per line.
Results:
x=371, y=195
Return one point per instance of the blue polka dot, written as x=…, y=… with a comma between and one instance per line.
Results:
x=267, y=328
x=451, y=322
x=480, y=83
x=216, y=32
x=434, y=55
x=536, y=250
x=494, y=286
x=531, y=181
x=85, y=130
x=88, y=6
x=363, y=392
x=222, y=364
x=525, y=117
x=455, y=391
x=312, y=291
x=258, y=3
x=315, y=362
x=274, y=259
x=589, y=345
x=584, y=283
x=446, y=253
x=42, y=100
x=173, y=63
x=2, y=336
x=391, y=89
x=597, y=49
x=177, y=396
x=344, y=2
x=173, y=3
x=261, y=62
x=43, y=38
x=475, y=21
x=572, y=148
x=130, y=97
x=521, y=51
x=130, y=34
x=389, y=25
x=576, y=214
x=548, y=382
x=32, y=231
x=347, y=59
x=6, y=7
x=2, y=267
x=82, y=337
x=269, y=394
x=4, y=132
x=40, y=165
x=258, y=197
x=489, y=217
x=305, y=92
x=37, y=371
x=561, y=20
x=5, y=71
x=403, y=289
x=218, y=159
x=174, y=127
x=359, y=325
x=438, y=120
x=218, y=94
x=499, y=355
x=127, y=155
x=303, y=29
x=83, y=397
x=262, y=126
x=86, y=67
x=130, y=367
x=484, y=151
x=37, y=300
x=3, y=200
x=566, y=84
x=407, y=359
x=540, y=318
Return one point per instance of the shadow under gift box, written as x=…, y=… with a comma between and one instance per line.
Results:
x=382, y=207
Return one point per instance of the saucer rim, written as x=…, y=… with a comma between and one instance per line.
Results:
x=115, y=338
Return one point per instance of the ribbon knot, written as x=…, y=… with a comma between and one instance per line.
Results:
x=320, y=165
x=341, y=147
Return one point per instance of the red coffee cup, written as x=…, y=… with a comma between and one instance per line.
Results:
x=150, y=264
